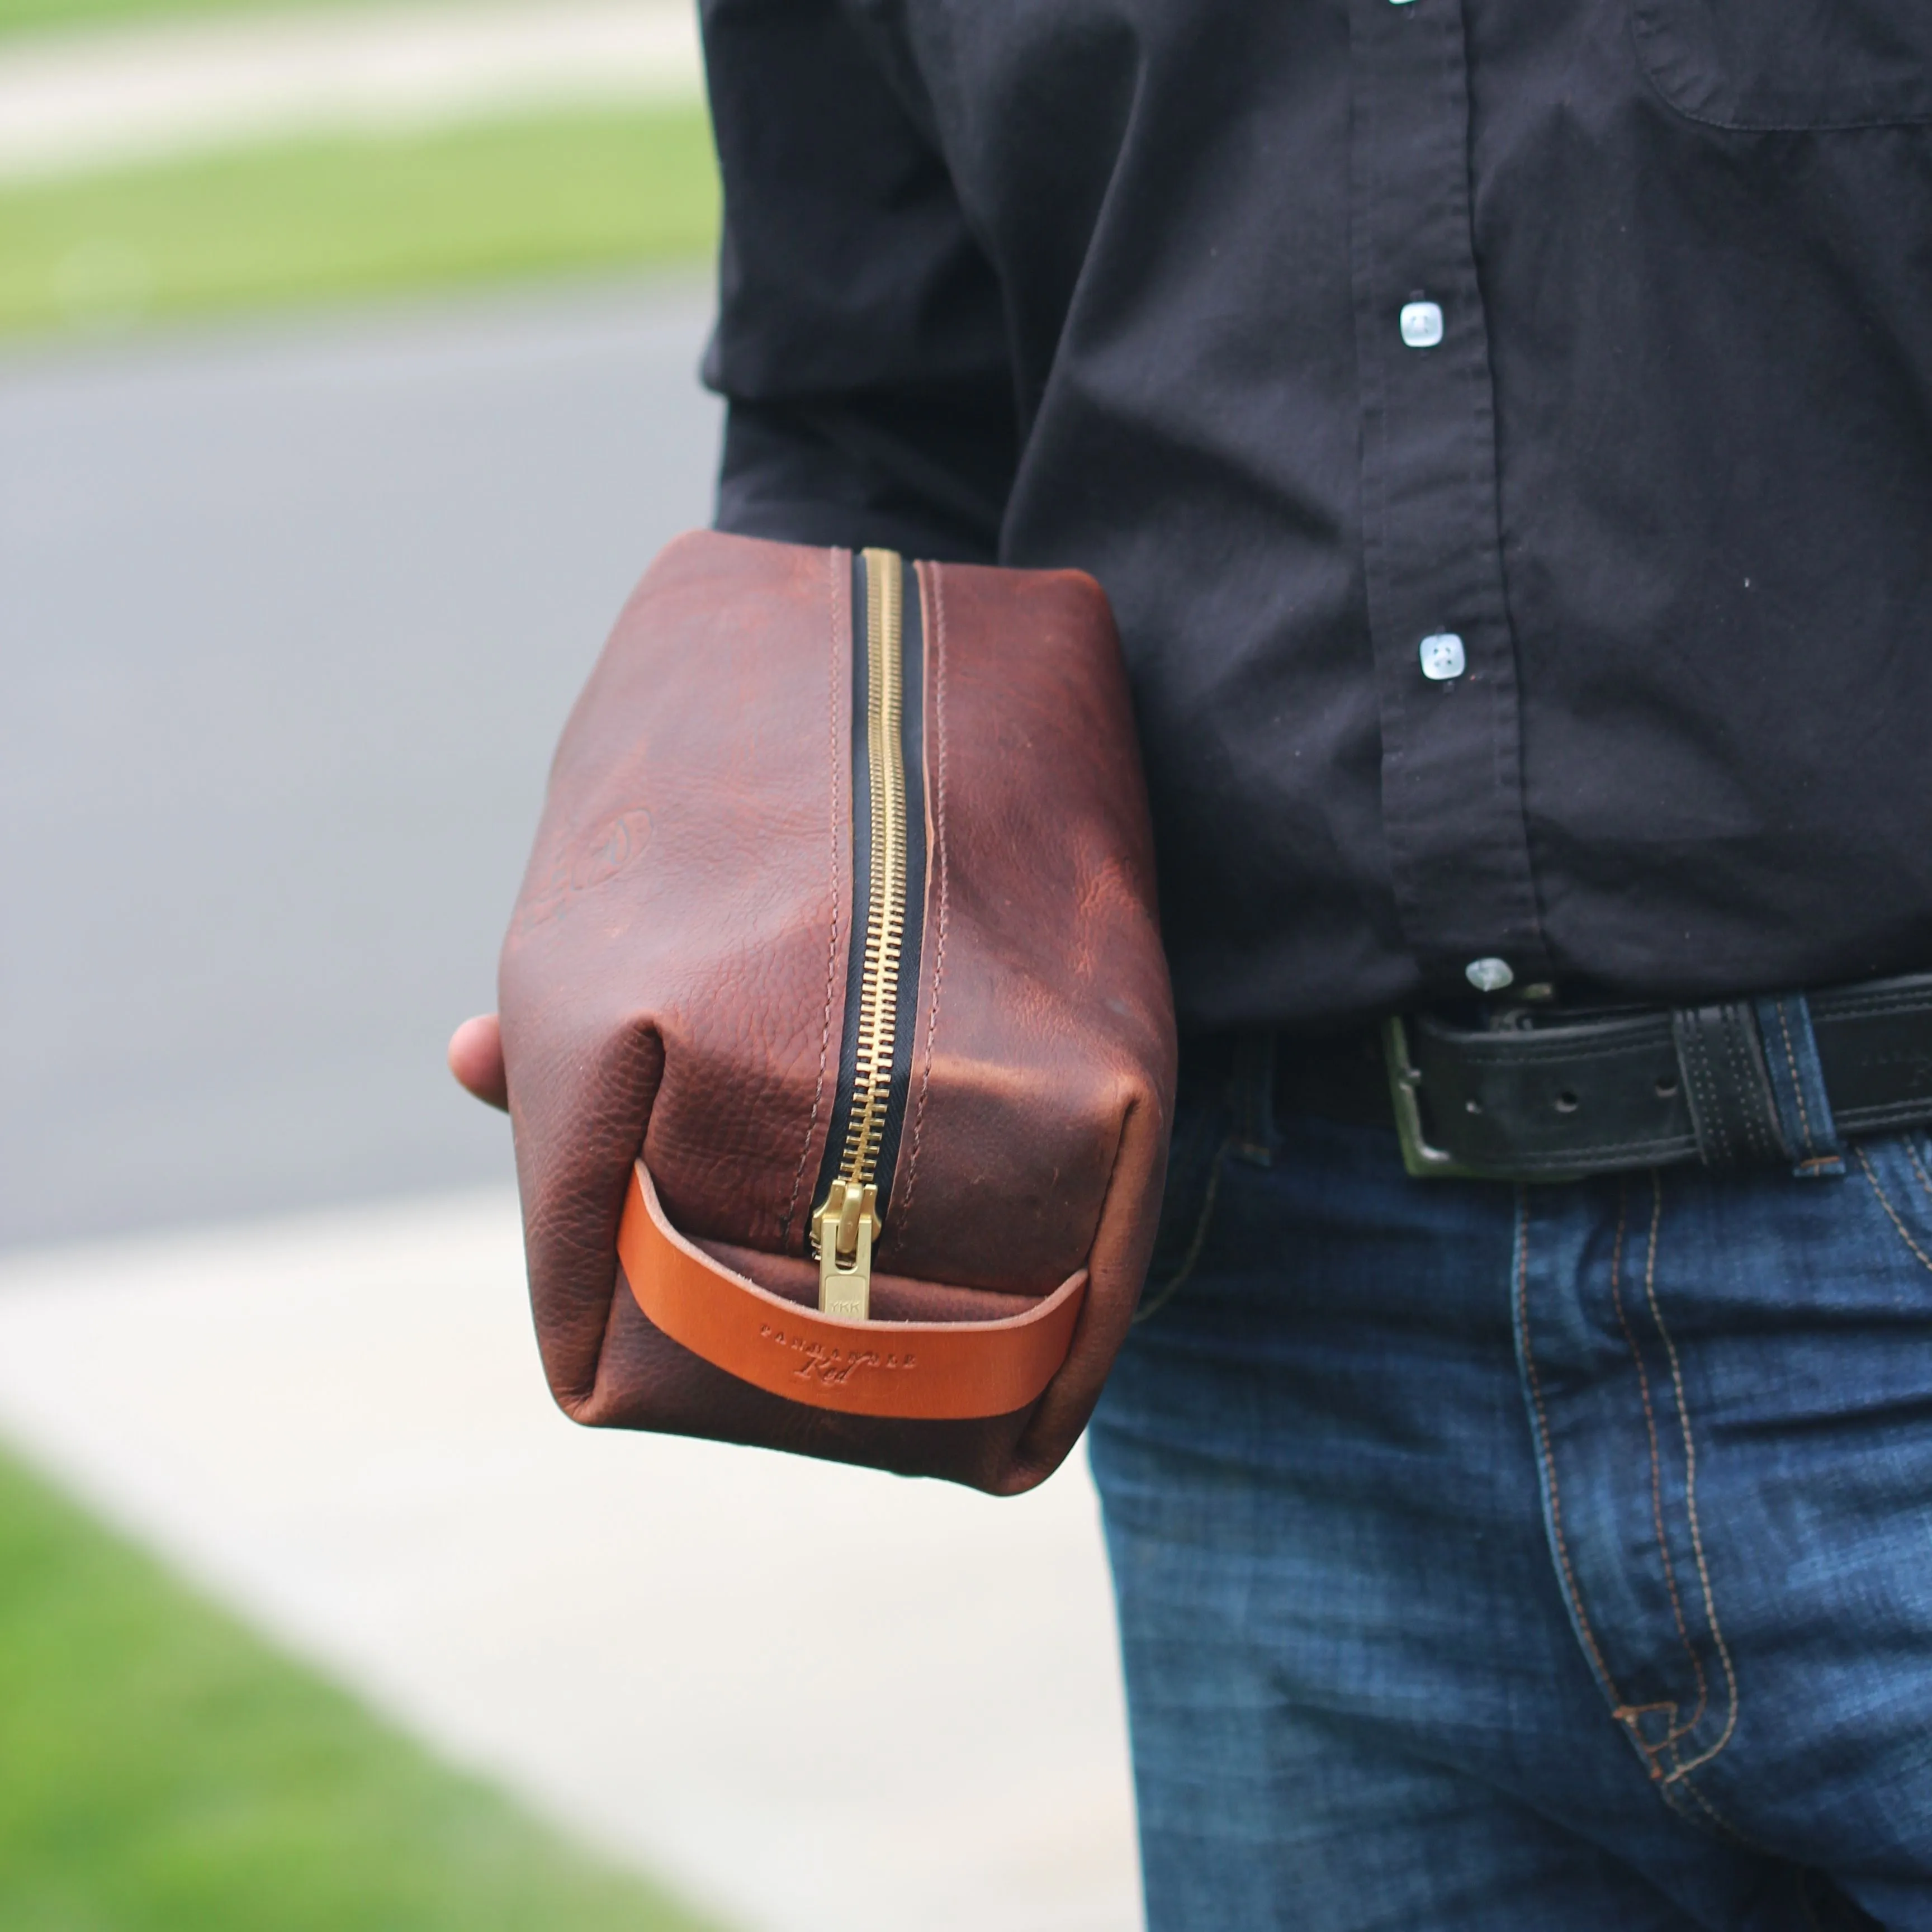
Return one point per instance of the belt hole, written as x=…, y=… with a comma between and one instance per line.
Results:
x=1567, y=1103
x=1666, y=1085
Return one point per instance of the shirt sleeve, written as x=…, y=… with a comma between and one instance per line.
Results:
x=861, y=343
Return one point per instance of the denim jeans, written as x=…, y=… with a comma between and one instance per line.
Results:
x=1556, y=1557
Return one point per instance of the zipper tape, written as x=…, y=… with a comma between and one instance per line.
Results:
x=883, y=964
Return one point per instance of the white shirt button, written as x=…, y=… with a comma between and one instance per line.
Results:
x=1421, y=324
x=1443, y=656
x=1488, y=975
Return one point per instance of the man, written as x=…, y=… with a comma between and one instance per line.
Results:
x=1504, y=428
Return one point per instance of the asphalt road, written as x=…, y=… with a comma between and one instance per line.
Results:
x=290, y=617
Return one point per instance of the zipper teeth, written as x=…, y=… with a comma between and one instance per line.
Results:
x=886, y=908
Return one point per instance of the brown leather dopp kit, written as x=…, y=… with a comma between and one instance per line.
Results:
x=835, y=1010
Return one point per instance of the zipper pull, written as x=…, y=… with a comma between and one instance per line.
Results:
x=846, y=1227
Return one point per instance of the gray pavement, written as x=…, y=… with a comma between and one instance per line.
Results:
x=289, y=615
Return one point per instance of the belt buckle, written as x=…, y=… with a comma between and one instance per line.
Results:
x=1419, y=1159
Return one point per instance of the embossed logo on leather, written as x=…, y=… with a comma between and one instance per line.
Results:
x=580, y=864
x=831, y=1367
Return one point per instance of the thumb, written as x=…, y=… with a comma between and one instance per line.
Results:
x=476, y=1059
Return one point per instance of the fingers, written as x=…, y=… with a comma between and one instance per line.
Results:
x=476, y=1059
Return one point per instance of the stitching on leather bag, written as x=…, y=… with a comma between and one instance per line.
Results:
x=937, y=579
x=831, y=866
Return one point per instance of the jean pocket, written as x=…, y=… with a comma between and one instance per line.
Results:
x=1202, y=1132
x=1899, y=1167
x=1789, y=65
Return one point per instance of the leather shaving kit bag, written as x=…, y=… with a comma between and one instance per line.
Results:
x=839, y=1037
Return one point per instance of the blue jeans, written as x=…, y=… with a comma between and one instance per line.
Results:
x=1556, y=1557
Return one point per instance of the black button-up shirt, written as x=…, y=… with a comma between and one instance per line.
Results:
x=1504, y=428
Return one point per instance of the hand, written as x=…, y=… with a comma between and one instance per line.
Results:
x=476, y=1059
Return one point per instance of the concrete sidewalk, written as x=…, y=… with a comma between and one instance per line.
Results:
x=74, y=101
x=815, y=1699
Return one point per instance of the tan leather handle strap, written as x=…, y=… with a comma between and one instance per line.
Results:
x=951, y=1370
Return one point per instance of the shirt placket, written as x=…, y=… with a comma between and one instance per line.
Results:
x=1446, y=671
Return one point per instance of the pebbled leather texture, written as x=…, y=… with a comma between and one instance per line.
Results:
x=672, y=987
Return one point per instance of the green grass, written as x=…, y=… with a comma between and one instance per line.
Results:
x=162, y=1771
x=33, y=16
x=323, y=219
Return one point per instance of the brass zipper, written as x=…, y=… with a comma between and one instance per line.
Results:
x=847, y=1222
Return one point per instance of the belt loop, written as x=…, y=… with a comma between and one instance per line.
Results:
x=1797, y=1080
x=1727, y=1087
x=1254, y=1138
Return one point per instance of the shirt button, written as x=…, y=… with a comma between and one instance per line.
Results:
x=1421, y=324
x=1488, y=975
x=1443, y=656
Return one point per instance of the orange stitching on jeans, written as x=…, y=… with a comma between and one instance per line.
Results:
x=1892, y=1213
x=1677, y=1784
x=1797, y=1085
x=1918, y=1167
x=1690, y=1491
x=1677, y=1729
x=1621, y=1709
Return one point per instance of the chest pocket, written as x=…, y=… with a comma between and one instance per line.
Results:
x=1789, y=63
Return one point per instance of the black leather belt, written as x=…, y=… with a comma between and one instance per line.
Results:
x=1546, y=1093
